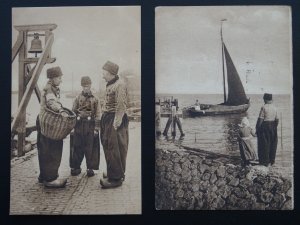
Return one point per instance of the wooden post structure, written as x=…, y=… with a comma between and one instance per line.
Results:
x=22, y=87
x=28, y=77
x=165, y=133
x=173, y=116
x=157, y=120
x=29, y=72
x=281, y=131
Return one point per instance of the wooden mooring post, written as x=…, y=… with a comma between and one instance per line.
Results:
x=168, y=108
x=157, y=119
x=22, y=88
x=28, y=77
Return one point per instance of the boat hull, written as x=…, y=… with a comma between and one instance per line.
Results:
x=212, y=110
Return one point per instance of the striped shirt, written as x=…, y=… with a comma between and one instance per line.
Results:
x=116, y=100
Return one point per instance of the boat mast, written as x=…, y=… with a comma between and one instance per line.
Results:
x=224, y=87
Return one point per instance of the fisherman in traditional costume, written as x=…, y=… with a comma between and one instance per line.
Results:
x=49, y=150
x=247, y=150
x=114, y=127
x=266, y=129
x=85, y=141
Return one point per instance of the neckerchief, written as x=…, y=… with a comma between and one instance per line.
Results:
x=112, y=81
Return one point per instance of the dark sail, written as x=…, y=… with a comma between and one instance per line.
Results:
x=236, y=92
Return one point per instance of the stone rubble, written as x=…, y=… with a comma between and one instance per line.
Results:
x=186, y=180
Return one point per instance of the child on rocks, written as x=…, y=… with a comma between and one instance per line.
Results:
x=247, y=150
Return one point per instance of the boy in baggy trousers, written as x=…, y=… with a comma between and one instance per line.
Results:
x=85, y=140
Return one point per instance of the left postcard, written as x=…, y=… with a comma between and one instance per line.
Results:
x=76, y=110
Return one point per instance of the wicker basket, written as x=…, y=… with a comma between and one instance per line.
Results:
x=54, y=125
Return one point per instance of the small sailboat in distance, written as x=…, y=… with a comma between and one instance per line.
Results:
x=235, y=102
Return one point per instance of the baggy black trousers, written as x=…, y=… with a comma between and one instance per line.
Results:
x=49, y=155
x=267, y=142
x=84, y=143
x=115, y=145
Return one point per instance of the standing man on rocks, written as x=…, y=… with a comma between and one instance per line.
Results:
x=114, y=127
x=85, y=141
x=49, y=150
x=266, y=129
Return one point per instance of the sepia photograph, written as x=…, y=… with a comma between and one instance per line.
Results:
x=224, y=108
x=75, y=110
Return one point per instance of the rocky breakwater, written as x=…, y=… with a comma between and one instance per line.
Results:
x=194, y=181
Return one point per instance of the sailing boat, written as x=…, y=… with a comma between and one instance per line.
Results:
x=236, y=102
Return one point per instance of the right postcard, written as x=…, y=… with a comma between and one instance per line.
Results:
x=224, y=108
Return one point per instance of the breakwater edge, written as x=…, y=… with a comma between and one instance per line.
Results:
x=191, y=180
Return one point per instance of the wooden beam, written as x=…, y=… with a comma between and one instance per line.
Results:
x=32, y=35
x=22, y=87
x=37, y=93
x=157, y=120
x=29, y=73
x=36, y=27
x=35, y=60
x=17, y=47
x=48, y=33
x=32, y=83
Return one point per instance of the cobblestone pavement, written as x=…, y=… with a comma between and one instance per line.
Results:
x=82, y=195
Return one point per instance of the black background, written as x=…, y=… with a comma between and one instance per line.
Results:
x=149, y=214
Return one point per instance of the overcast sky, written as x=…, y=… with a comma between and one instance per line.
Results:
x=188, y=48
x=85, y=38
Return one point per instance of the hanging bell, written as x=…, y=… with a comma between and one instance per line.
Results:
x=36, y=45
